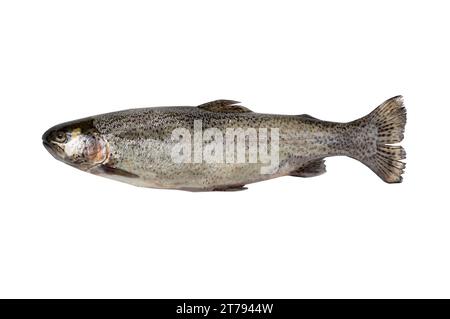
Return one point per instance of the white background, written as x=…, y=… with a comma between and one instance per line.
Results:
x=65, y=233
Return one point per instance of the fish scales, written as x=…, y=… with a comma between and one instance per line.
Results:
x=136, y=146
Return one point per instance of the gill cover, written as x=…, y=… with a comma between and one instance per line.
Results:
x=87, y=149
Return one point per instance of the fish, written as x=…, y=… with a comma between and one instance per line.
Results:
x=223, y=146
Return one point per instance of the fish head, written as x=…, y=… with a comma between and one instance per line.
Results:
x=77, y=143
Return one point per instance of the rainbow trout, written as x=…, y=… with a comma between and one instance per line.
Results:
x=222, y=145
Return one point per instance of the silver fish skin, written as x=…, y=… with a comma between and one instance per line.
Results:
x=137, y=146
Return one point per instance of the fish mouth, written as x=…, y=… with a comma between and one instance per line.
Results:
x=58, y=153
x=53, y=149
x=47, y=145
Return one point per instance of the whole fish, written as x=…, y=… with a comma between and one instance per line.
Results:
x=222, y=145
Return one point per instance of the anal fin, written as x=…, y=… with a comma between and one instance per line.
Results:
x=230, y=188
x=311, y=169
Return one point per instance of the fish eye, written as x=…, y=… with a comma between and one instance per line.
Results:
x=60, y=137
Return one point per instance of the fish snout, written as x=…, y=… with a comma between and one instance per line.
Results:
x=46, y=137
x=51, y=145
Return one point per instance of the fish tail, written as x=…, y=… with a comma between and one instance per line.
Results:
x=376, y=133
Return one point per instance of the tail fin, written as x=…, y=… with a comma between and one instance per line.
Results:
x=387, y=122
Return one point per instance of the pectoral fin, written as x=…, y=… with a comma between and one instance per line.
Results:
x=110, y=170
x=311, y=169
x=224, y=106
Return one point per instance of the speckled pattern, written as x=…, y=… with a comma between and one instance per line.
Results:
x=139, y=142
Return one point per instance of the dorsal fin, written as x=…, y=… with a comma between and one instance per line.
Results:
x=224, y=106
x=308, y=117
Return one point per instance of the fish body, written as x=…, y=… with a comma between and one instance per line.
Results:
x=221, y=145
